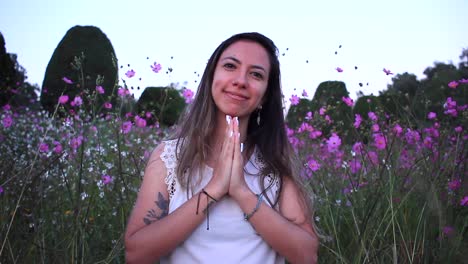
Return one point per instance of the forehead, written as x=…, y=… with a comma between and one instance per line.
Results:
x=248, y=52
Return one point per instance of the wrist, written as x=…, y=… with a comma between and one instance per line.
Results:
x=240, y=193
x=214, y=192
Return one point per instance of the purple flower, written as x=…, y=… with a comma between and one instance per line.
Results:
x=156, y=67
x=130, y=73
x=379, y=141
x=313, y=165
x=122, y=92
x=106, y=179
x=338, y=69
x=140, y=122
x=76, y=142
x=464, y=201
x=348, y=101
x=77, y=101
x=322, y=111
x=294, y=99
x=464, y=81
x=7, y=121
x=372, y=116
x=57, y=148
x=454, y=184
x=458, y=129
x=66, y=80
x=63, y=99
x=126, y=127
x=448, y=231
x=333, y=143
x=355, y=166
x=358, y=147
x=375, y=128
x=453, y=84
x=99, y=89
x=43, y=147
x=357, y=120
x=304, y=93
x=1, y=189
x=188, y=95
x=6, y=107
x=107, y=105
x=431, y=115
x=309, y=116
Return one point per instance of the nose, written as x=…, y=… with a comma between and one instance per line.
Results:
x=240, y=80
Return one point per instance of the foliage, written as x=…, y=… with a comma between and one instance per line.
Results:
x=86, y=58
x=166, y=102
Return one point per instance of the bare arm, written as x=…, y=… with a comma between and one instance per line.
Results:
x=294, y=239
x=150, y=232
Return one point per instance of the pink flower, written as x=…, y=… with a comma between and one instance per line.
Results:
x=315, y=134
x=373, y=157
x=126, y=127
x=453, y=84
x=454, y=184
x=122, y=92
x=448, y=231
x=322, y=111
x=458, y=129
x=57, y=148
x=375, y=128
x=464, y=201
x=188, y=95
x=379, y=141
x=397, y=129
x=7, y=121
x=357, y=120
x=140, y=122
x=304, y=93
x=333, y=142
x=75, y=143
x=387, y=72
x=348, y=101
x=338, y=69
x=294, y=99
x=452, y=112
x=66, y=80
x=43, y=147
x=357, y=147
x=148, y=114
x=156, y=67
x=431, y=115
x=449, y=103
x=63, y=99
x=372, y=116
x=106, y=179
x=355, y=165
x=6, y=107
x=464, y=81
x=99, y=89
x=428, y=142
x=77, y=101
x=313, y=165
x=1, y=189
x=309, y=116
x=107, y=105
x=130, y=73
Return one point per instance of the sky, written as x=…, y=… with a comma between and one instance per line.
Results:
x=400, y=35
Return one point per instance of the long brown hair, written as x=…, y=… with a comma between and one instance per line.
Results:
x=199, y=121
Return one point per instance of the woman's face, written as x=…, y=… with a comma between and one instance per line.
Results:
x=241, y=78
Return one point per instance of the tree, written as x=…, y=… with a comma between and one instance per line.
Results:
x=297, y=113
x=165, y=103
x=86, y=56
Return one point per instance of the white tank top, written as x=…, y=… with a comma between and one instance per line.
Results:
x=230, y=238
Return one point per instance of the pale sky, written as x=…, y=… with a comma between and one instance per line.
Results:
x=401, y=35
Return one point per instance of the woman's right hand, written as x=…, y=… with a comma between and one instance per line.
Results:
x=219, y=183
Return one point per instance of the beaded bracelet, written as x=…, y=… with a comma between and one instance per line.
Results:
x=259, y=201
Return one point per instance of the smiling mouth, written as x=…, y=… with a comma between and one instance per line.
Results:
x=236, y=96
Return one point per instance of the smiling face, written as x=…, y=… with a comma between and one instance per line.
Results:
x=240, y=79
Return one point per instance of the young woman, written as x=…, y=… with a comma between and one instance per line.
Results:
x=226, y=188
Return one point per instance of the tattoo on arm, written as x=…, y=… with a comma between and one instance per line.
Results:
x=163, y=205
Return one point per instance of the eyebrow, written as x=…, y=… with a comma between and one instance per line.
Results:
x=239, y=62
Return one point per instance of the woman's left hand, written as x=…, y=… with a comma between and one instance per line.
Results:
x=237, y=183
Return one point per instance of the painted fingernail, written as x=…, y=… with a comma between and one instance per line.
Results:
x=228, y=119
x=237, y=120
x=242, y=147
x=230, y=133
x=238, y=134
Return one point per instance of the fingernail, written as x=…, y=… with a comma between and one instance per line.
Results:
x=230, y=134
x=242, y=147
x=238, y=134
x=237, y=120
x=228, y=119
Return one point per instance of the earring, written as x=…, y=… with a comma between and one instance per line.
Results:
x=258, y=115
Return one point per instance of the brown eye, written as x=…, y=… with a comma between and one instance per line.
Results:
x=257, y=75
x=229, y=66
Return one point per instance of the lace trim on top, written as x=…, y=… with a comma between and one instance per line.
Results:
x=168, y=156
x=272, y=179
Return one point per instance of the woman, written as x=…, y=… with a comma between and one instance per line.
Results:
x=226, y=190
